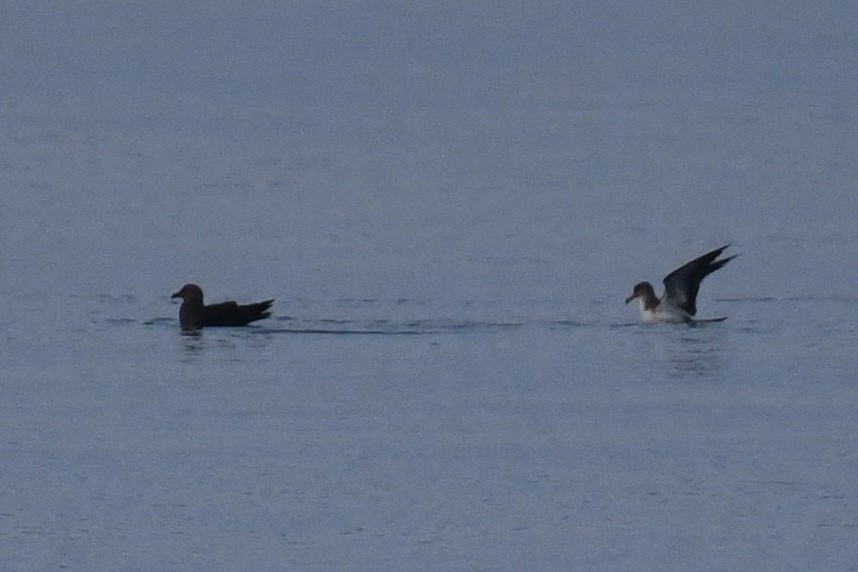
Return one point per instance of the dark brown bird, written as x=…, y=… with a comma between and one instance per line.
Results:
x=194, y=315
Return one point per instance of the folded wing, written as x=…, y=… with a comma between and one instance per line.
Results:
x=230, y=314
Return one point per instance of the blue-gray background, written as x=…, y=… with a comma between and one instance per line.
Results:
x=458, y=196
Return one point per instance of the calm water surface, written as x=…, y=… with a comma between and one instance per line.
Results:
x=327, y=442
x=449, y=223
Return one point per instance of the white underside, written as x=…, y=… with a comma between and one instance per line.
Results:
x=664, y=313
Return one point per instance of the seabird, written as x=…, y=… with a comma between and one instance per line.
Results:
x=194, y=315
x=680, y=291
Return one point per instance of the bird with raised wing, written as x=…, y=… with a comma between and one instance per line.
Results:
x=678, y=303
x=194, y=315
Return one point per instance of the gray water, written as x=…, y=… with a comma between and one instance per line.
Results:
x=449, y=204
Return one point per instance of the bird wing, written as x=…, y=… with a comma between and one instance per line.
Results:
x=221, y=314
x=681, y=285
x=232, y=314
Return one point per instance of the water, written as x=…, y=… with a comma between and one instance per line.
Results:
x=449, y=207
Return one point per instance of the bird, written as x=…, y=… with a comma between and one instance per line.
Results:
x=194, y=315
x=678, y=303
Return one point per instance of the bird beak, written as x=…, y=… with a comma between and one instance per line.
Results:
x=176, y=295
x=630, y=298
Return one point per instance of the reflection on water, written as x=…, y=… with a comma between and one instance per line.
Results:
x=697, y=352
x=193, y=345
